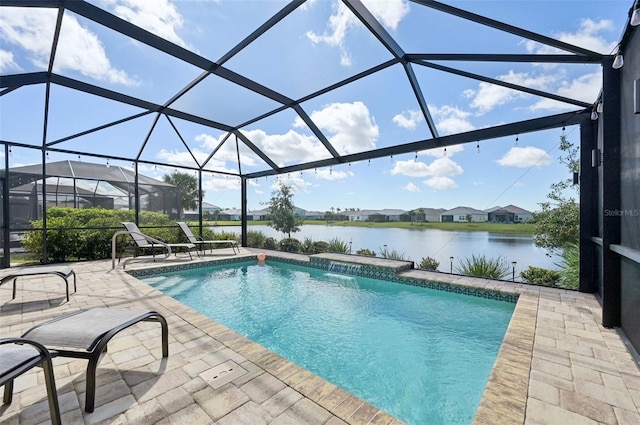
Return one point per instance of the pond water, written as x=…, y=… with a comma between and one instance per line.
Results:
x=416, y=244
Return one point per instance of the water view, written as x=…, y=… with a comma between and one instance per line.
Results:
x=418, y=243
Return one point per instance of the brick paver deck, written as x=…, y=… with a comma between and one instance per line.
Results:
x=557, y=364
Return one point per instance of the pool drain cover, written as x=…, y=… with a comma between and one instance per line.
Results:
x=222, y=374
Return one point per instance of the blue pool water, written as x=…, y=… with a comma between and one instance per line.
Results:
x=421, y=355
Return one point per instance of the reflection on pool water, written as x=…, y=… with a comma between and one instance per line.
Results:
x=422, y=355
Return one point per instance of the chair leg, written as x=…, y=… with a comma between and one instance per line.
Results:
x=52, y=392
x=90, y=397
x=8, y=392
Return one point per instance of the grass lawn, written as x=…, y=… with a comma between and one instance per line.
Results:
x=526, y=229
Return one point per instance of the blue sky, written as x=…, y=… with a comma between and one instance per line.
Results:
x=320, y=43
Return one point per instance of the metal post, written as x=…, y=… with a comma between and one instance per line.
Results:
x=451, y=263
x=6, y=218
x=513, y=271
x=243, y=202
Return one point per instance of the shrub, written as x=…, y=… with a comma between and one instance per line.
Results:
x=366, y=252
x=492, y=268
x=270, y=243
x=570, y=267
x=319, y=247
x=290, y=245
x=336, y=245
x=393, y=255
x=256, y=239
x=86, y=233
x=428, y=263
x=540, y=276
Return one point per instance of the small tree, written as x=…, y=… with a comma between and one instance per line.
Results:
x=469, y=217
x=557, y=223
x=281, y=211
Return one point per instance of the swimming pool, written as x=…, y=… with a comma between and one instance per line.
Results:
x=420, y=354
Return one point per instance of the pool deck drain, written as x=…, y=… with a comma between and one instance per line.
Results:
x=557, y=364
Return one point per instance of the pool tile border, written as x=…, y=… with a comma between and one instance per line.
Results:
x=392, y=274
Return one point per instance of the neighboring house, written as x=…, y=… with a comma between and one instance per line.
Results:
x=376, y=215
x=508, y=214
x=233, y=214
x=460, y=214
x=207, y=209
x=428, y=214
x=258, y=215
x=313, y=215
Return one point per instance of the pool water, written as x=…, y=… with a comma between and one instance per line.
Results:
x=421, y=355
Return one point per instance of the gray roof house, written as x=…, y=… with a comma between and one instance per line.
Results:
x=460, y=215
x=430, y=214
x=508, y=214
x=376, y=215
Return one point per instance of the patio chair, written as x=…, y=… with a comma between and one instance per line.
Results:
x=18, y=356
x=142, y=241
x=85, y=334
x=63, y=271
x=197, y=240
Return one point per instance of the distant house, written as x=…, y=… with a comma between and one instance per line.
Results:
x=208, y=210
x=428, y=214
x=462, y=214
x=258, y=215
x=313, y=215
x=233, y=214
x=508, y=214
x=376, y=215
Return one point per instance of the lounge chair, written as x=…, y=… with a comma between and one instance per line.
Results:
x=85, y=334
x=203, y=243
x=63, y=271
x=17, y=356
x=142, y=241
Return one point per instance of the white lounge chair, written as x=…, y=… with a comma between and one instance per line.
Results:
x=142, y=241
x=203, y=243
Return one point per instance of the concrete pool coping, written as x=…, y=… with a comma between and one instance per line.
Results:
x=557, y=364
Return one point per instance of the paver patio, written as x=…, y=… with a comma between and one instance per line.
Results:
x=557, y=364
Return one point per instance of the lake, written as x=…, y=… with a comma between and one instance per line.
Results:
x=418, y=243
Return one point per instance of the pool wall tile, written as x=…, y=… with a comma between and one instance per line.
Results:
x=357, y=266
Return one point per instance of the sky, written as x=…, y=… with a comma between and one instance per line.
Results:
x=318, y=44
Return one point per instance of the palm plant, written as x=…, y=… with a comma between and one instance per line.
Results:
x=480, y=266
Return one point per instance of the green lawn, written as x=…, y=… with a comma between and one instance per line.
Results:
x=465, y=227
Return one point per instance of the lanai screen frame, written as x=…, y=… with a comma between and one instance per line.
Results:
x=575, y=55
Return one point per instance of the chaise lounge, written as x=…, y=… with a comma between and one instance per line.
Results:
x=63, y=271
x=18, y=356
x=85, y=334
x=203, y=243
x=142, y=241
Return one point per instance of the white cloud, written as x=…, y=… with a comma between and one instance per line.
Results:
x=451, y=119
x=585, y=88
x=488, y=96
x=227, y=151
x=525, y=157
x=79, y=49
x=441, y=183
x=389, y=13
x=220, y=183
x=587, y=36
x=410, y=187
x=287, y=148
x=352, y=127
x=441, y=167
x=7, y=61
x=294, y=181
x=160, y=17
x=408, y=119
x=441, y=153
x=331, y=174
